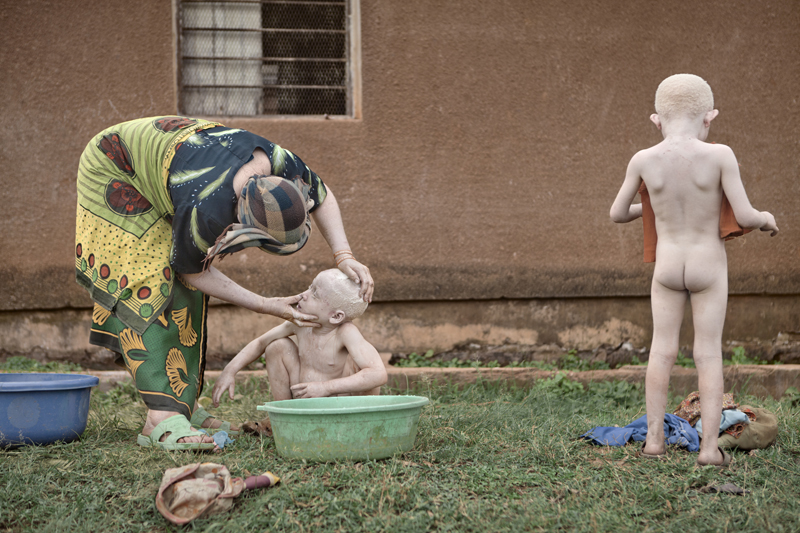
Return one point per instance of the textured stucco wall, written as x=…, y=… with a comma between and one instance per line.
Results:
x=493, y=140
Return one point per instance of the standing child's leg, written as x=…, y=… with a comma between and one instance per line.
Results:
x=668, y=306
x=708, y=311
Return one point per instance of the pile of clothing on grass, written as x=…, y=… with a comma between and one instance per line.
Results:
x=742, y=426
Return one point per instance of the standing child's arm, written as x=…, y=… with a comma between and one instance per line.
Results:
x=746, y=216
x=251, y=352
x=622, y=211
x=371, y=375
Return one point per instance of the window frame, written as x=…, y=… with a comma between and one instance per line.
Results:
x=352, y=55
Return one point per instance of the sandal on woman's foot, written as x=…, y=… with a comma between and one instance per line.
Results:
x=726, y=460
x=178, y=427
x=200, y=415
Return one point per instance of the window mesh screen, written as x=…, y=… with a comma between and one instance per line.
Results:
x=264, y=57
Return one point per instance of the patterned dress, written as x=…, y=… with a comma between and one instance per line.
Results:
x=153, y=195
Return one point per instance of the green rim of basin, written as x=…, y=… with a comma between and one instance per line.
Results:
x=343, y=405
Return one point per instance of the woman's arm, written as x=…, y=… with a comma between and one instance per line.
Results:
x=329, y=221
x=214, y=283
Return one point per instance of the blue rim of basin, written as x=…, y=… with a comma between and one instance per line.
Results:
x=285, y=406
x=45, y=382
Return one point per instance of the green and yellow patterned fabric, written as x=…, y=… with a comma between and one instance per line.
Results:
x=123, y=231
x=167, y=361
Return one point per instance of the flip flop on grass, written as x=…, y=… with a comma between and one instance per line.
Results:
x=726, y=460
x=178, y=427
x=200, y=415
x=652, y=455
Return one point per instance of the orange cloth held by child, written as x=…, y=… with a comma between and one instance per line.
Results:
x=728, y=227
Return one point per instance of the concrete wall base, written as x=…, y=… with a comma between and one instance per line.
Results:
x=580, y=323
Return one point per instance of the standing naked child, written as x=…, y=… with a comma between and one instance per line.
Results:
x=330, y=359
x=687, y=180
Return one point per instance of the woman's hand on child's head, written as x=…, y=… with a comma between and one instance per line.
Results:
x=360, y=274
x=312, y=389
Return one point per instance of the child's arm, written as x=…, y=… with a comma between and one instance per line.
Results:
x=251, y=352
x=622, y=211
x=746, y=216
x=371, y=375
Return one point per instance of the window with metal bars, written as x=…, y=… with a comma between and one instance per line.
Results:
x=268, y=57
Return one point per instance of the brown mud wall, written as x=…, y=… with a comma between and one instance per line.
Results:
x=477, y=183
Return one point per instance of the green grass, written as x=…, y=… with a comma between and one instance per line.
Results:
x=738, y=357
x=569, y=361
x=487, y=458
x=19, y=363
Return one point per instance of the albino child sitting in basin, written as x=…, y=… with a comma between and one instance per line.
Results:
x=331, y=358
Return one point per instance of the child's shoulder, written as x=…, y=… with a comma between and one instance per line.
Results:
x=718, y=154
x=646, y=153
x=642, y=158
x=348, y=330
x=657, y=150
x=720, y=149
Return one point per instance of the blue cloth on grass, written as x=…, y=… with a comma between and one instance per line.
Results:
x=729, y=417
x=676, y=431
x=221, y=438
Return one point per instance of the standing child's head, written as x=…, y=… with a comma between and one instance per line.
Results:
x=333, y=297
x=684, y=94
x=681, y=98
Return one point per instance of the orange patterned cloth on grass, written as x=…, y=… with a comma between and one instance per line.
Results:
x=689, y=409
x=202, y=489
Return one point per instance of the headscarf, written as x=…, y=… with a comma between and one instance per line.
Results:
x=274, y=217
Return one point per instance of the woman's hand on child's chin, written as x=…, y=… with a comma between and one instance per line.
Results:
x=312, y=389
x=283, y=308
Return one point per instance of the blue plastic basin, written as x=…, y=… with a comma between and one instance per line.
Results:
x=43, y=408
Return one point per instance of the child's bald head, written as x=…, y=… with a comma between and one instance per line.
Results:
x=342, y=293
x=683, y=95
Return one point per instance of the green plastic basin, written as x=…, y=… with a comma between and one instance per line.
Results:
x=345, y=427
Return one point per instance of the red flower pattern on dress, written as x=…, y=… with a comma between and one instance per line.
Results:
x=124, y=199
x=168, y=124
x=116, y=151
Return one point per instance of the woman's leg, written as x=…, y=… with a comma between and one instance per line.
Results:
x=212, y=422
x=167, y=361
